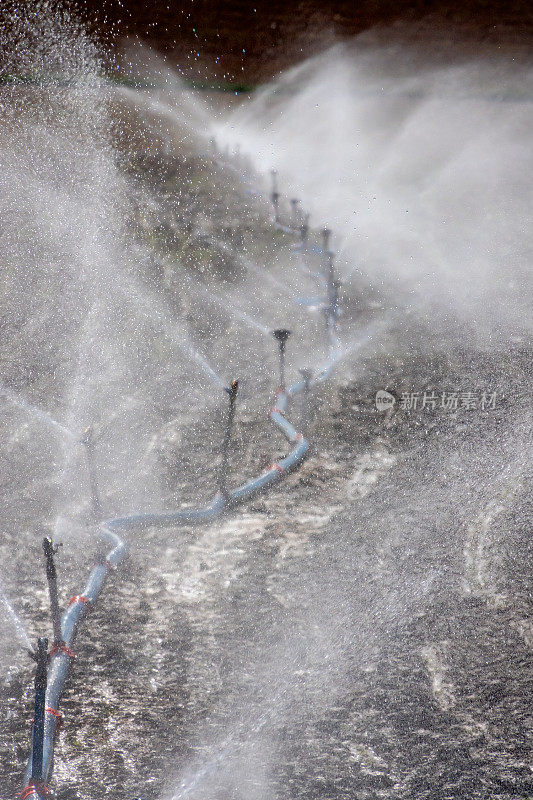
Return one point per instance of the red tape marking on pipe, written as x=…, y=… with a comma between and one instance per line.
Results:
x=37, y=788
x=275, y=466
x=79, y=598
x=275, y=410
x=61, y=647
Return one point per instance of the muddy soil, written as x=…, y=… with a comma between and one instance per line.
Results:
x=361, y=631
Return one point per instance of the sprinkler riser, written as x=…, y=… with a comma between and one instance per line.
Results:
x=223, y=472
x=41, y=679
x=51, y=578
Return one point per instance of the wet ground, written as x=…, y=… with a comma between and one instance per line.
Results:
x=362, y=631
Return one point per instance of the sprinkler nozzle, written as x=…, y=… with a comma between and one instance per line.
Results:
x=306, y=374
x=232, y=389
x=49, y=549
x=326, y=234
x=87, y=436
x=281, y=334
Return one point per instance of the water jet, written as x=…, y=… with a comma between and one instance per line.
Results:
x=88, y=442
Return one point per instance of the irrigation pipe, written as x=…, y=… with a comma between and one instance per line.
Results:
x=40, y=764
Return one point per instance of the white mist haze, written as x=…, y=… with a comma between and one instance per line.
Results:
x=421, y=168
x=277, y=651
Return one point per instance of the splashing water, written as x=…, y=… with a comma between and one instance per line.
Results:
x=37, y=413
x=150, y=308
x=230, y=307
x=14, y=621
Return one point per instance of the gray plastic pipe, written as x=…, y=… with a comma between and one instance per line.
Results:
x=61, y=654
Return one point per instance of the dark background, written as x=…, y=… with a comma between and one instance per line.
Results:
x=247, y=41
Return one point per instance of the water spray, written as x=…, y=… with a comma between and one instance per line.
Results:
x=224, y=450
x=50, y=682
x=51, y=578
x=281, y=334
x=88, y=442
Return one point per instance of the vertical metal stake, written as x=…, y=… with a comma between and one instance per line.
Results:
x=294, y=211
x=51, y=577
x=330, y=277
x=304, y=231
x=274, y=195
x=326, y=233
x=281, y=334
x=224, y=450
x=39, y=710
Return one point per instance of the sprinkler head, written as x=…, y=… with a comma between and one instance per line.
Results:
x=87, y=435
x=306, y=373
x=232, y=389
x=326, y=233
x=281, y=334
x=48, y=547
